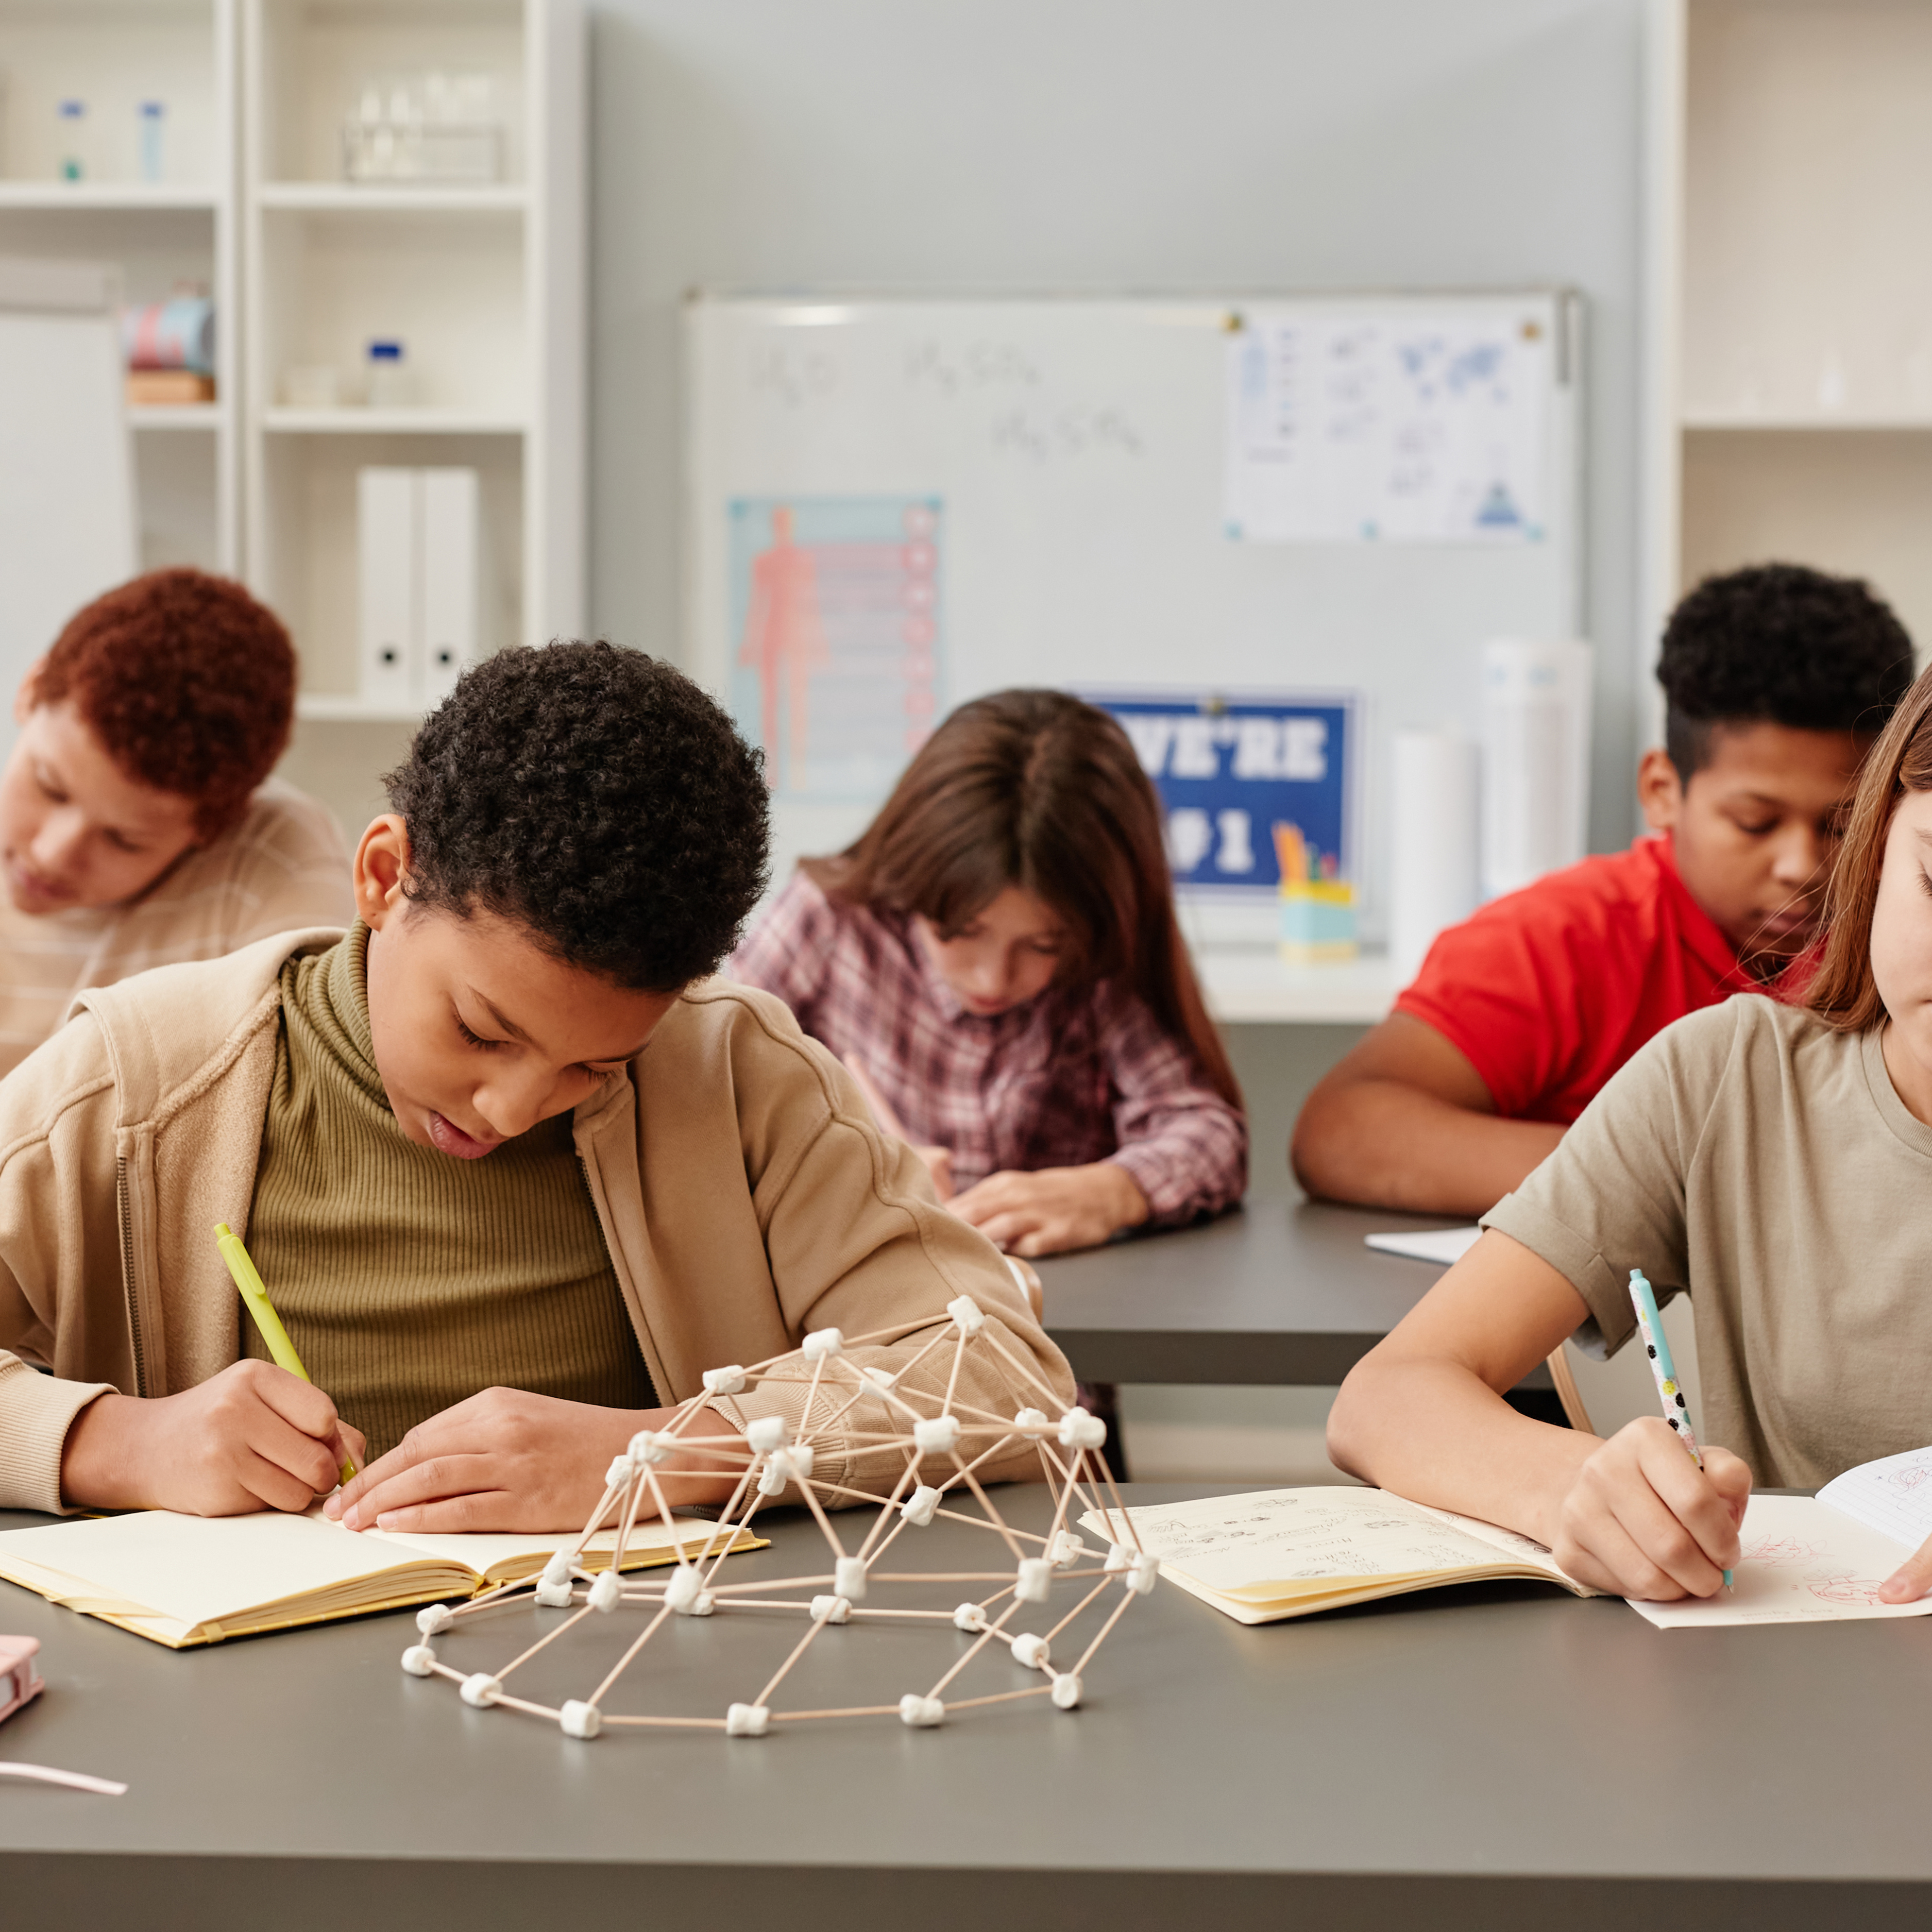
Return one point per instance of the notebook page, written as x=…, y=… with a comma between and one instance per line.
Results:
x=1443, y=1245
x=1801, y=1563
x=198, y=1570
x=1892, y=1495
x=1278, y=1536
x=480, y=1549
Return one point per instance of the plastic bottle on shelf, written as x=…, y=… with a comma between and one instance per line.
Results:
x=389, y=386
x=71, y=116
x=151, y=123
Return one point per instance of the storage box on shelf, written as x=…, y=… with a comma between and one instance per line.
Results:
x=139, y=171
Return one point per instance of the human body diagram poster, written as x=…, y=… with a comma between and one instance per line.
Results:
x=1362, y=430
x=837, y=667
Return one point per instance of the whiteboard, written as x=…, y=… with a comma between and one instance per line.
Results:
x=67, y=528
x=1050, y=480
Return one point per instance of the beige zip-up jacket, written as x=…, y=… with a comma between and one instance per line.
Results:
x=745, y=1194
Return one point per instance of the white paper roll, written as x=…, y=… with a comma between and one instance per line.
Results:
x=1432, y=877
x=1536, y=759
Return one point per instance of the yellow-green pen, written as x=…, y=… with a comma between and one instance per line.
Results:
x=255, y=1299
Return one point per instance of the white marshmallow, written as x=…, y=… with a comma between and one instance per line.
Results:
x=482, y=1690
x=968, y=1317
x=554, y=1596
x=1118, y=1557
x=1065, y=1550
x=748, y=1721
x=831, y=1610
x=620, y=1473
x=558, y=1569
x=419, y=1661
x=605, y=1591
x=1030, y=1652
x=580, y=1720
x=1141, y=1574
x=1033, y=1423
x=921, y=1712
x=936, y=1435
x=885, y=1378
x=848, y=1578
x=432, y=1619
x=683, y=1589
x=822, y=1344
x=1034, y=1579
x=969, y=1617
x=1079, y=1430
x=652, y=1445
x=724, y=1382
x=767, y=1433
x=919, y=1508
x=1066, y=1693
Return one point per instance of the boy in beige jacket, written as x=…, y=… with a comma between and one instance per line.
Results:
x=516, y=1171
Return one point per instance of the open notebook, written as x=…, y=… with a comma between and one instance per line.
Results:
x=191, y=1579
x=1289, y=1553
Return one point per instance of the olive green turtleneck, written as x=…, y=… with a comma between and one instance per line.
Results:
x=407, y=1279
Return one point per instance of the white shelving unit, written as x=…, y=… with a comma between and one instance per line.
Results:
x=484, y=285
x=112, y=54
x=1791, y=332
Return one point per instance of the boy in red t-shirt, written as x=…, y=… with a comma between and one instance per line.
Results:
x=1777, y=678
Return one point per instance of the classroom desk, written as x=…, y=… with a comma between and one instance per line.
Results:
x=1494, y=1757
x=1276, y=1292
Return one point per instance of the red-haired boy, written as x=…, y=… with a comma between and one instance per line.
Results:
x=138, y=823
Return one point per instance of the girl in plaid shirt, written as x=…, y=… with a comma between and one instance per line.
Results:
x=997, y=960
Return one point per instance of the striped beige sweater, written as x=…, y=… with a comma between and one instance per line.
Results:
x=408, y=1280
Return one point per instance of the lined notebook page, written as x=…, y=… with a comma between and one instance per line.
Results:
x=1892, y=1495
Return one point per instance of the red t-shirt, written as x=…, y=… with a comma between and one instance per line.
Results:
x=1549, y=991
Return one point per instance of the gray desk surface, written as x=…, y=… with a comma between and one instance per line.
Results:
x=1494, y=1757
x=1274, y=1293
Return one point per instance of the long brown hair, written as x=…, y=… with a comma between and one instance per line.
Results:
x=1036, y=790
x=1842, y=991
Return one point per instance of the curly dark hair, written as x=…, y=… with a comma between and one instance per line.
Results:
x=187, y=681
x=596, y=796
x=1781, y=644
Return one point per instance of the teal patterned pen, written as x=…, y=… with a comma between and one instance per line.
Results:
x=1676, y=1410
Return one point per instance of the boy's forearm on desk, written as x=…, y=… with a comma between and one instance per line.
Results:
x=1384, y=1143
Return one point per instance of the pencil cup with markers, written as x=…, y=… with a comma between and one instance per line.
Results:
x=1318, y=907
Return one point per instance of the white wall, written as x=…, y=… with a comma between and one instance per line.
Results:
x=1008, y=146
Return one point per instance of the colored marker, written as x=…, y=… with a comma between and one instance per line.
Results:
x=255, y=1299
x=1676, y=1410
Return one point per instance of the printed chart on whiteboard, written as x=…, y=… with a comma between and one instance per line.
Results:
x=1243, y=778
x=837, y=660
x=1346, y=429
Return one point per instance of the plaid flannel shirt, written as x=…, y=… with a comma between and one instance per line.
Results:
x=1078, y=1075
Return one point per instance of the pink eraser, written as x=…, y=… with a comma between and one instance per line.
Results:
x=19, y=1676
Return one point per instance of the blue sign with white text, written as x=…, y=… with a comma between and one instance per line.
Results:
x=1247, y=782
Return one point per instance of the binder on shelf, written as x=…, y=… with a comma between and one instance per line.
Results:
x=449, y=551
x=387, y=520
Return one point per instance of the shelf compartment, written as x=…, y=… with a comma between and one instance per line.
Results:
x=176, y=415
x=452, y=292
x=317, y=54
x=113, y=55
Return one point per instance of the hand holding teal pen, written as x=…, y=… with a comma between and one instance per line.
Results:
x=1676, y=1409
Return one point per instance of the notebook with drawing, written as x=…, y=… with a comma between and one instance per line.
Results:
x=187, y=1579
x=1806, y=1560
x=1290, y=1552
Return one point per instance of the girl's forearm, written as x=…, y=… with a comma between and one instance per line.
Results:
x=1431, y=1430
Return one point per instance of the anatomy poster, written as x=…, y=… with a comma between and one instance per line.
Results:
x=838, y=655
